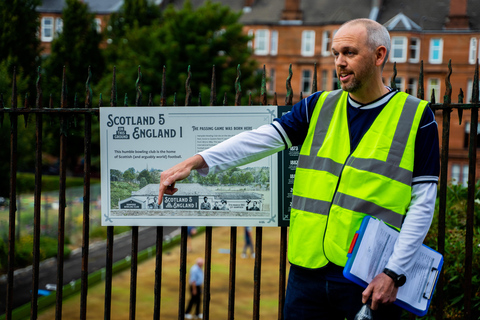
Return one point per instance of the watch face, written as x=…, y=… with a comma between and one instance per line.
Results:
x=401, y=280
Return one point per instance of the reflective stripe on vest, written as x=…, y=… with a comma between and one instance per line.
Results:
x=330, y=181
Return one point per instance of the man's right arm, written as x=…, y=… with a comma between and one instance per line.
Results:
x=246, y=147
x=176, y=173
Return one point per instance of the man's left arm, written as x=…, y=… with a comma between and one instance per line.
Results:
x=414, y=229
x=420, y=212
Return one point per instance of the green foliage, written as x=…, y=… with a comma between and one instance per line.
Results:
x=454, y=258
x=26, y=182
x=120, y=191
x=24, y=251
x=19, y=42
x=200, y=39
x=76, y=48
x=100, y=232
x=133, y=12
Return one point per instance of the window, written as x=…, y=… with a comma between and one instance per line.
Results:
x=466, y=139
x=468, y=97
x=47, y=29
x=326, y=43
x=414, y=50
x=472, y=52
x=98, y=25
x=274, y=43
x=465, y=175
x=308, y=43
x=433, y=86
x=455, y=173
x=271, y=81
x=436, y=51
x=399, y=49
x=412, y=87
x=306, y=81
x=261, y=42
x=58, y=26
x=324, y=79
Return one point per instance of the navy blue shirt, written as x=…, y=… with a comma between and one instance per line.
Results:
x=360, y=118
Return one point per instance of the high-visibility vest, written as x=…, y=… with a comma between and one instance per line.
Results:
x=335, y=187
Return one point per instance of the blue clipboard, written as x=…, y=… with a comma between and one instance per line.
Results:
x=429, y=288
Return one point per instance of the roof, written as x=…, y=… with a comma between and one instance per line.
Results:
x=429, y=15
x=98, y=7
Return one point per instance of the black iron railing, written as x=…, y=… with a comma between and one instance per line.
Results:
x=64, y=111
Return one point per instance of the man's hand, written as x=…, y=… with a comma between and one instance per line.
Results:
x=381, y=290
x=176, y=173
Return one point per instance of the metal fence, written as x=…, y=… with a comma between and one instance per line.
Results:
x=63, y=111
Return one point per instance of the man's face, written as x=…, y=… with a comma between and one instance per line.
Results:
x=354, y=60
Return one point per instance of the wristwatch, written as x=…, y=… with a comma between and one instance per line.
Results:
x=398, y=279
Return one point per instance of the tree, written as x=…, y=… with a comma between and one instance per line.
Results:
x=19, y=41
x=145, y=174
x=129, y=175
x=133, y=12
x=77, y=47
x=208, y=36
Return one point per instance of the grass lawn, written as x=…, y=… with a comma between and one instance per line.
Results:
x=170, y=283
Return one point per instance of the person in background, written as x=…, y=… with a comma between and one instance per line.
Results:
x=195, y=282
x=248, y=243
x=191, y=231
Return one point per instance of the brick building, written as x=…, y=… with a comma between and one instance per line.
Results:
x=299, y=32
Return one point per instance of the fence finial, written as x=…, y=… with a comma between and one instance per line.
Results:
x=113, y=92
x=213, y=89
x=163, y=100
x=38, y=101
x=188, y=95
x=289, y=97
x=14, y=88
x=238, y=87
x=64, y=101
x=393, y=83
x=138, y=85
x=460, y=110
x=447, y=98
x=421, y=90
x=264, y=87
x=88, y=89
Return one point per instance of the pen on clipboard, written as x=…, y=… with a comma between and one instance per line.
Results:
x=427, y=294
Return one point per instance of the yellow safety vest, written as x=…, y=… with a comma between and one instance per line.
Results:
x=335, y=187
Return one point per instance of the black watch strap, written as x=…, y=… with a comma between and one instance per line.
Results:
x=399, y=280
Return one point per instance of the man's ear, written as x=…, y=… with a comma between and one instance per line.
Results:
x=380, y=55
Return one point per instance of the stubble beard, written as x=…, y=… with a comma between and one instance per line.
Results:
x=353, y=86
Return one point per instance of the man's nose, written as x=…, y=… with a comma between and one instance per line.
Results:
x=340, y=60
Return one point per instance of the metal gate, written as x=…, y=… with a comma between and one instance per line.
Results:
x=87, y=110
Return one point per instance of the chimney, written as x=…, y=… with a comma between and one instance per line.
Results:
x=457, y=17
x=292, y=10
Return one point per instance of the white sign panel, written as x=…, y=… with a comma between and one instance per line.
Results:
x=138, y=143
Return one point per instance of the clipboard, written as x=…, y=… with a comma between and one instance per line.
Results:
x=423, y=287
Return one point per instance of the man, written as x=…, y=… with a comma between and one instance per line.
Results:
x=195, y=281
x=205, y=204
x=366, y=150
